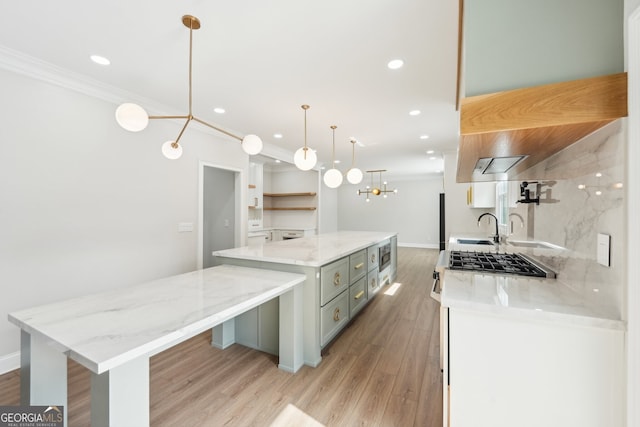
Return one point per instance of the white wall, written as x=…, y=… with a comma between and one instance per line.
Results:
x=328, y=209
x=413, y=212
x=87, y=206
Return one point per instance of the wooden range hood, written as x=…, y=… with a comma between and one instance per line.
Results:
x=535, y=122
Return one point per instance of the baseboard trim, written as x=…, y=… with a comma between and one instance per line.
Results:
x=9, y=362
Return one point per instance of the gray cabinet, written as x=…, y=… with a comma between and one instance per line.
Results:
x=334, y=279
x=357, y=296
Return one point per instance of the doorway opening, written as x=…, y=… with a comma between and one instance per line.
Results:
x=219, y=211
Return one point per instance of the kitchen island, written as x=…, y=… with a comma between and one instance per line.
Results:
x=562, y=350
x=114, y=334
x=343, y=272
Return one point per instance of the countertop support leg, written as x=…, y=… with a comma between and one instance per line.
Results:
x=224, y=335
x=291, y=332
x=43, y=373
x=120, y=396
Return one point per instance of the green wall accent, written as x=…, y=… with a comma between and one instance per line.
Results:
x=510, y=44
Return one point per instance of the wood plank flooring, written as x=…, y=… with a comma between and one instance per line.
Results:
x=383, y=370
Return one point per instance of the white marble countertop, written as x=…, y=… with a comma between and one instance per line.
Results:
x=105, y=330
x=313, y=251
x=523, y=297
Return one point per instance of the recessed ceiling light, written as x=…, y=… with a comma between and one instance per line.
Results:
x=336, y=161
x=277, y=135
x=101, y=60
x=414, y=112
x=277, y=160
x=219, y=110
x=430, y=151
x=432, y=158
x=395, y=64
x=424, y=136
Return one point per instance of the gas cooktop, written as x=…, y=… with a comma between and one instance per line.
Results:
x=488, y=262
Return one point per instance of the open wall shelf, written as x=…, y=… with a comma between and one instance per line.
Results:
x=290, y=208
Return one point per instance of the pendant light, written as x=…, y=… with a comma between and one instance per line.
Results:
x=333, y=177
x=354, y=175
x=134, y=118
x=381, y=189
x=305, y=158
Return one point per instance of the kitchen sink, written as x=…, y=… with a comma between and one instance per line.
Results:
x=474, y=242
x=532, y=244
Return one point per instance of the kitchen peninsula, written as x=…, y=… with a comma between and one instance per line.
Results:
x=113, y=334
x=343, y=270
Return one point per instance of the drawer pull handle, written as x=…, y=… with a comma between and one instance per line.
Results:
x=359, y=295
x=359, y=266
x=336, y=314
x=336, y=278
x=373, y=258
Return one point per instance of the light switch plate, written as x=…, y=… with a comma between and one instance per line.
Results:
x=604, y=244
x=185, y=227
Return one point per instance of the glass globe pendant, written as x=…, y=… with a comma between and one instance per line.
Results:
x=354, y=175
x=305, y=158
x=333, y=177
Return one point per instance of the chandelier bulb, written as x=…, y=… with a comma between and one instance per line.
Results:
x=132, y=117
x=333, y=178
x=252, y=144
x=354, y=176
x=172, y=150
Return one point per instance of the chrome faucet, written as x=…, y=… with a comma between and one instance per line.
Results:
x=496, y=237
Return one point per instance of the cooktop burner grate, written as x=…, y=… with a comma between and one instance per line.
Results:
x=494, y=263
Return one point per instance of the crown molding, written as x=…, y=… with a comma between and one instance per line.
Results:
x=37, y=69
x=29, y=66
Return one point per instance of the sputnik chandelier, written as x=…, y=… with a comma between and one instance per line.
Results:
x=134, y=118
x=381, y=189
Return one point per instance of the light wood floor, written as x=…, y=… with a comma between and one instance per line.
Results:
x=383, y=370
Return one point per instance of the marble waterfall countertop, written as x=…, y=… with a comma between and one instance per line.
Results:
x=524, y=297
x=312, y=251
x=106, y=330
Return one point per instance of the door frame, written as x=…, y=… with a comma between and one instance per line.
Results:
x=241, y=216
x=633, y=227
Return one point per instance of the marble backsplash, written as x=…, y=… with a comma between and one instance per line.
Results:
x=582, y=194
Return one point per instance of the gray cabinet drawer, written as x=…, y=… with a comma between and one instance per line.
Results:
x=334, y=316
x=334, y=278
x=357, y=296
x=358, y=265
x=372, y=257
x=372, y=283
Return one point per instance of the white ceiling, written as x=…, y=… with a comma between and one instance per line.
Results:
x=262, y=59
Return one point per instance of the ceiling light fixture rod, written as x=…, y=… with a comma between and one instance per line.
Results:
x=133, y=117
x=305, y=108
